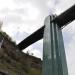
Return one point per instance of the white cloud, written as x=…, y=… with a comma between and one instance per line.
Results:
x=70, y=54
x=7, y=4
x=33, y=12
x=31, y=50
x=69, y=41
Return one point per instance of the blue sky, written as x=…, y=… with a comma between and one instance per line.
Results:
x=22, y=17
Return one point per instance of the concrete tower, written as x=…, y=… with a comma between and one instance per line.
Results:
x=54, y=59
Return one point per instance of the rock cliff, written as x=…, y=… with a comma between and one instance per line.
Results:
x=15, y=62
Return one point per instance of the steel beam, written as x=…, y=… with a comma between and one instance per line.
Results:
x=54, y=59
x=66, y=17
x=31, y=39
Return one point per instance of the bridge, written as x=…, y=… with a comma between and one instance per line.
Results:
x=54, y=59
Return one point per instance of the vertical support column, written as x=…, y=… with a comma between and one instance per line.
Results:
x=54, y=59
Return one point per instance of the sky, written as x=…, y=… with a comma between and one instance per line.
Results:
x=20, y=18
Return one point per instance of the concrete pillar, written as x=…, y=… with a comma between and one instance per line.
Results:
x=54, y=59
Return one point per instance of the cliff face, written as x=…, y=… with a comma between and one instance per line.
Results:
x=14, y=62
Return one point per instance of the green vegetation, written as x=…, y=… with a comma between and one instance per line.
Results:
x=15, y=62
x=4, y=35
x=34, y=71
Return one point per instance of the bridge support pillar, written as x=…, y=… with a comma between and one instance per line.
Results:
x=54, y=58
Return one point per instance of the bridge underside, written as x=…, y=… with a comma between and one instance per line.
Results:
x=61, y=20
x=31, y=39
